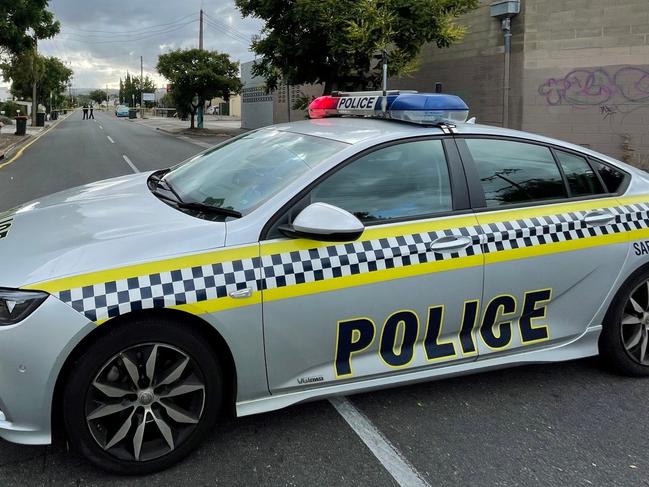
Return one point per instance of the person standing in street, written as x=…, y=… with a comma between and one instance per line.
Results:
x=92, y=108
x=85, y=111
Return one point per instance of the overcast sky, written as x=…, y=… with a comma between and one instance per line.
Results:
x=101, y=40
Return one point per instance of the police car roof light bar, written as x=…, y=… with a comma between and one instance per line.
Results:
x=420, y=108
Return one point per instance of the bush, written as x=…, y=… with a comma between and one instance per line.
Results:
x=11, y=109
x=6, y=120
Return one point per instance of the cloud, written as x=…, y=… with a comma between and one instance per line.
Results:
x=101, y=41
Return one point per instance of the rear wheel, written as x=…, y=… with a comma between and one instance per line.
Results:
x=143, y=396
x=625, y=336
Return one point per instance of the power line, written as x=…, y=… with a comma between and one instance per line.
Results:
x=135, y=39
x=135, y=30
x=130, y=35
x=239, y=38
x=223, y=26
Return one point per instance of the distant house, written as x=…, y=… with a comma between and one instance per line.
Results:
x=4, y=93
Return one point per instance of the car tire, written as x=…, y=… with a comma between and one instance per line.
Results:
x=624, y=341
x=135, y=429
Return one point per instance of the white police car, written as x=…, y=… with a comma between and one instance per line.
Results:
x=311, y=259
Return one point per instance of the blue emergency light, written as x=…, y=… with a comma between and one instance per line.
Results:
x=422, y=108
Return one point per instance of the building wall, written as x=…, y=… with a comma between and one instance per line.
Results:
x=579, y=72
x=256, y=104
x=586, y=74
x=284, y=99
x=472, y=69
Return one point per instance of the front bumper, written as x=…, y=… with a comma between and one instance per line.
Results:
x=32, y=354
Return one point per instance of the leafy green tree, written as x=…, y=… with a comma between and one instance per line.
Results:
x=98, y=96
x=335, y=42
x=197, y=76
x=129, y=89
x=22, y=22
x=49, y=73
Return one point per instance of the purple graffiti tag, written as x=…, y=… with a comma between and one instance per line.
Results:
x=597, y=87
x=633, y=84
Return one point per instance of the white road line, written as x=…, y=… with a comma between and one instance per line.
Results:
x=394, y=462
x=128, y=161
x=102, y=128
x=111, y=140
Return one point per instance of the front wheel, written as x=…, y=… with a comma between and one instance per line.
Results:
x=624, y=342
x=142, y=397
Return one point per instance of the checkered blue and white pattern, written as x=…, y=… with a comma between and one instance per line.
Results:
x=170, y=288
x=194, y=284
x=349, y=259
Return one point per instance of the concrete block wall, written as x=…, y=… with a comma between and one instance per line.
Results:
x=472, y=69
x=586, y=74
x=579, y=72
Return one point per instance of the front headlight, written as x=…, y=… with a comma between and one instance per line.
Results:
x=16, y=305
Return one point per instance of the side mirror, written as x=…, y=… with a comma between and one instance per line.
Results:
x=321, y=221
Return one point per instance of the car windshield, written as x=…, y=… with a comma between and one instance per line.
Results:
x=245, y=172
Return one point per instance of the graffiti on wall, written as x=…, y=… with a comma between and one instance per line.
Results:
x=599, y=87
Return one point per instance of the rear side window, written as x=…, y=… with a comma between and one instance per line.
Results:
x=406, y=180
x=516, y=172
x=581, y=178
x=612, y=178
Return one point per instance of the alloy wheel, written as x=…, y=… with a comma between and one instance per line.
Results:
x=145, y=401
x=635, y=324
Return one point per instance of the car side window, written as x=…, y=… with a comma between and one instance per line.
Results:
x=399, y=181
x=581, y=178
x=515, y=172
x=612, y=178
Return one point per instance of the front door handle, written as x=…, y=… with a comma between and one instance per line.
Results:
x=451, y=244
x=241, y=293
x=598, y=218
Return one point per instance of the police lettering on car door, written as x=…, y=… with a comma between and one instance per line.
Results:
x=400, y=331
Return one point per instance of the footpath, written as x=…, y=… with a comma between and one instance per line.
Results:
x=216, y=129
x=10, y=143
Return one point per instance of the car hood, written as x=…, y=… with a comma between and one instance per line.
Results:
x=98, y=226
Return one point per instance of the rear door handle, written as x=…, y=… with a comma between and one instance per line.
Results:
x=451, y=244
x=599, y=218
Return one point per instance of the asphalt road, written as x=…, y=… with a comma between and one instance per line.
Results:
x=563, y=424
x=81, y=151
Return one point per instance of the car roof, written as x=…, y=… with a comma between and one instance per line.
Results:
x=353, y=130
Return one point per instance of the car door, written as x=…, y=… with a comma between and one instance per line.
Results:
x=551, y=249
x=391, y=301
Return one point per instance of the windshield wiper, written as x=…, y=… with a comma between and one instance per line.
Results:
x=209, y=209
x=196, y=206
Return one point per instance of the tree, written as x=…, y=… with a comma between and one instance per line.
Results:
x=19, y=17
x=335, y=42
x=129, y=89
x=49, y=73
x=98, y=96
x=197, y=76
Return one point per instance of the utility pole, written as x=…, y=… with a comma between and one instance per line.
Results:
x=199, y=112
x=34, y=81
x=107, y=98
x=141, y=87
x=200, y=33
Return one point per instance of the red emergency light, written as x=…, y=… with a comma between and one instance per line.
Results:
x=324, y=106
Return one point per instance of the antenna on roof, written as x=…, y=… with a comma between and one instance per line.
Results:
x=384, y=101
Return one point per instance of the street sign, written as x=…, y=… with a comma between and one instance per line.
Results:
x=148, y=96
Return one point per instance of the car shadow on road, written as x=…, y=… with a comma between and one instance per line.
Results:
x=310, y=443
